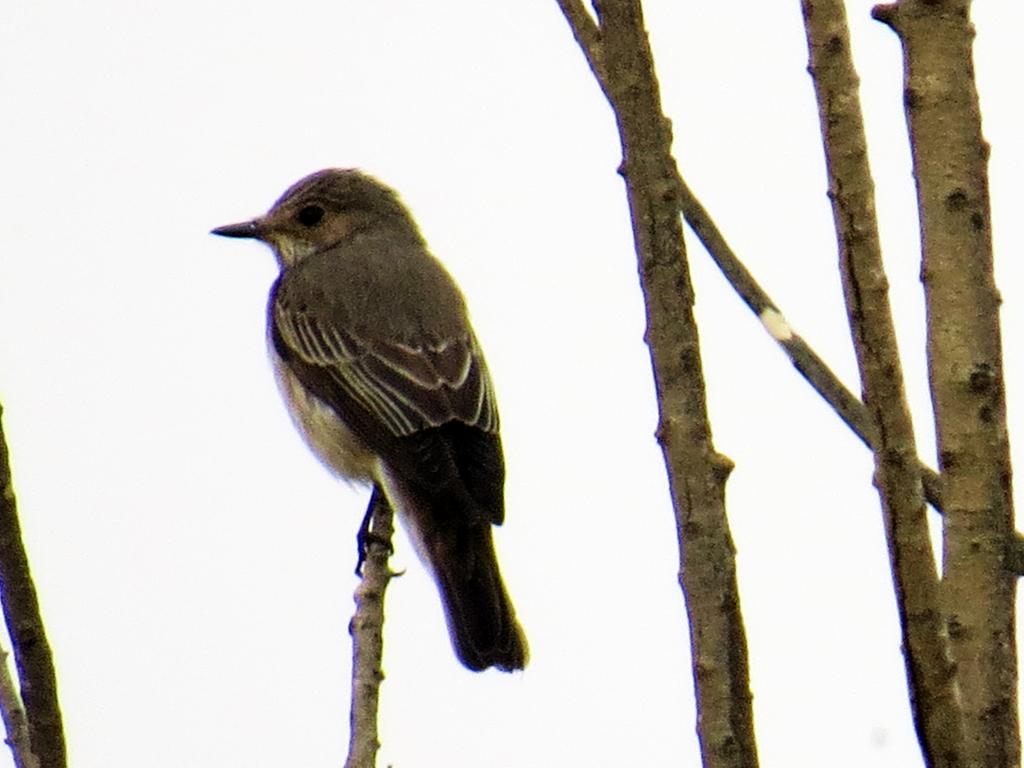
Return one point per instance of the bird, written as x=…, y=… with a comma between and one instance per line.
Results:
x=374, y=354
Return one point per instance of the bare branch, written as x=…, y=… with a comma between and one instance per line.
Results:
x=965, y=365
x=588, y=36
x=25, y=626
x=817, y=373
x=697, y=473
x=811, y=366
x=897, y=473
x=367, y=630
x=15, y=722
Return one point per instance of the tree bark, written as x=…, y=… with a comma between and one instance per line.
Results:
x=897, y=473
x=367, y=630
x=619, y=54
x=965, y=367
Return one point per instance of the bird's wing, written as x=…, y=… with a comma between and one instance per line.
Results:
x=402, y=386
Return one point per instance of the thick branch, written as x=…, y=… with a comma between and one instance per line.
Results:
x=620, y=56
x=28, y=635
x=367, y=630
x=965, y=366
x=898, y=478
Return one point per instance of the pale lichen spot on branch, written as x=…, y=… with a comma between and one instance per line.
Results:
x=776, y=324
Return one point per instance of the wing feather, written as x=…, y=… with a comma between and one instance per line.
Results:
x=405, y=386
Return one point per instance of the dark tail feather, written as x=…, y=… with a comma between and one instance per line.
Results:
x=481, y=620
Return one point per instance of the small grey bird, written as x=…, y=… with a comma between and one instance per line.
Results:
x=375, y=356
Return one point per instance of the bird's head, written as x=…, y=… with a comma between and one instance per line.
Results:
x=322, y=210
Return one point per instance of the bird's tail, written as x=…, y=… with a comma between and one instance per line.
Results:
x=481, y=620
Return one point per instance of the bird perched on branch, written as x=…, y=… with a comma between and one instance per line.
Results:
x=375, y=356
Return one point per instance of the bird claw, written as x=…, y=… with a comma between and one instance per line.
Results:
x=364, y=539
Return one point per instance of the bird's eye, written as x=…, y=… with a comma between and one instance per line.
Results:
x=310, y=216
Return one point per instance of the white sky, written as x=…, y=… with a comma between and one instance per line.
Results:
x=194, y=561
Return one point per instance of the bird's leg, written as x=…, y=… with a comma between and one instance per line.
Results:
x=365, y=537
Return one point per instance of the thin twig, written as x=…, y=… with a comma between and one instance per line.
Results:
x=367, y=630
x=15, y=722
x=588, y=37
x=898, y=478
x=815, y=370
x=25, y=627
x=808, y=362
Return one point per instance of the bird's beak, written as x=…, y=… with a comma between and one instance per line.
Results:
x=252, y=228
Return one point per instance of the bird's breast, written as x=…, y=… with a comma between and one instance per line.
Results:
x=325, y=433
